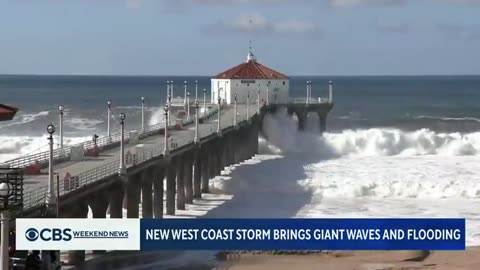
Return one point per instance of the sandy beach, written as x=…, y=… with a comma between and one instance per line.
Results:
x=367, y=260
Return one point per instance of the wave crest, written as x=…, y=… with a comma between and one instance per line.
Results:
x=284, y=138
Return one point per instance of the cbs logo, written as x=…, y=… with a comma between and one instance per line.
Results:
x=47, y=234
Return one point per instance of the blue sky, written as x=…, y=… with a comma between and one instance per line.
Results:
x=204, y=37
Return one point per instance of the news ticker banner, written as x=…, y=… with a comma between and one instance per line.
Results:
x=240, y=234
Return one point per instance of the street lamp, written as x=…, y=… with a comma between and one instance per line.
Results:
x=143, y=114
x=165, y=147
x=167, y=120
x=196, y=90
x=268, y=92
x=219, y=129
x=185, y=96
x=330, y=92
x=171, y=89
x=109, y=112
x=204, y=101
x=248, y=105
x=225, y=92
x=122, y=171
x=6, y=190
x=188, y=106
x=60, y=109
x=308, y=92
x=50, y=196
x=235, y=111
x=258, y=101
x=195, y=140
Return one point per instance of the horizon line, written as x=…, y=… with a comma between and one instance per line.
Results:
x=189, y=75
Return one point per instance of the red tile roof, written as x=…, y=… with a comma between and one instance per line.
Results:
x=7, y=112
x=251, y=70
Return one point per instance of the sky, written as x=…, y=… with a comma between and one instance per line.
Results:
x=206, y=37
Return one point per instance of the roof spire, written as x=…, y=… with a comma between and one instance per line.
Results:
x=251, y=56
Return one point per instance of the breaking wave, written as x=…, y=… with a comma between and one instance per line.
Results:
x=378, y=162
x=280, y=129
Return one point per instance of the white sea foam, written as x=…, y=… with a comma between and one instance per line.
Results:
x=15, y=146
x=157, y=117
x=357, y=173
x=473, y=119
x=84, y=124
x=280, y=130
x=25, y=118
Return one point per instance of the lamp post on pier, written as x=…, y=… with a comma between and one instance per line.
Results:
x=248, y=106
x=219, y=129
x=196, y=90
x=330, y=92
x=109, y=115
x=122, y=170
x=188, y=106
x=165, y=146
x=308, y=92
x=185, y=97
x=235, y=111
x=171, y=89
x=143, y=114
x=60, y=109
x=258, y=101
x=167, y=120
x=168, y=88
x=51, y=191
x=204, y=101
x=268, y=93
x=195, y=140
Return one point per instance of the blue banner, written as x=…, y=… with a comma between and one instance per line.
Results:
x=302, y=234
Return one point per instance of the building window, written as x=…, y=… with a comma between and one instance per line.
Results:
x=248, y=84
x=283, y=82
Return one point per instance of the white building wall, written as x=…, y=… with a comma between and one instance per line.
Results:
x=278, y=90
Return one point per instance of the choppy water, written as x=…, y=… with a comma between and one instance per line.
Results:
x=396, y=146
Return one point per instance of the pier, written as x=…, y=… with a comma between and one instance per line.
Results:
x=153, y=172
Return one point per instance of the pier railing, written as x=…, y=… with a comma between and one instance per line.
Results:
x=38, y=196
x=312, y=100
x=41, y=158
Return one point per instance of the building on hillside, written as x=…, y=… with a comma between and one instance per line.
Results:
x=250, y=77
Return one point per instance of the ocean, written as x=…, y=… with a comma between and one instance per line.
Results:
x=401, y=146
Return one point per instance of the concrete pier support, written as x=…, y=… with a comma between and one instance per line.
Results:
x=323, y=123
x=220, y=157
x=188, y=177
x=171, y=186
x=132, y=192
x=256, y=126
x=99, y=205
x=77, y=210
x=180, y=183
x=147, y=193
x=212, y=161
x=230, y=150
x=206, y=168
x=116, y=199
x=159, y=175
x=301, y=120
x=236, y=147
x=197, y=174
